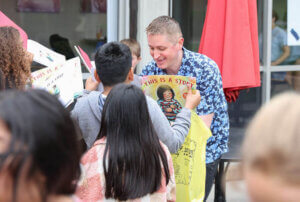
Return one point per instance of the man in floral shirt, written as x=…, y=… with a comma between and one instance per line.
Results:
x=171, y=58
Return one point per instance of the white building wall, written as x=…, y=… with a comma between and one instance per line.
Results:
x=147, y=11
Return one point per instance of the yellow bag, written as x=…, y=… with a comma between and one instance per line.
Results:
x=189, y=163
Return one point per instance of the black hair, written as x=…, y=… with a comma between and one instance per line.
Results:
x=133, y=155
x=113, y=62
x=161, y=89
x=43, y=135
x=275, y=15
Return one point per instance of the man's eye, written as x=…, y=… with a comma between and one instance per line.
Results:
x=161, y=49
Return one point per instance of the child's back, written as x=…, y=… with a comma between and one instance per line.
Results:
x=138, y=165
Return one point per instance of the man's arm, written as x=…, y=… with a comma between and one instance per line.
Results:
x=283, y=57
x=207, y=119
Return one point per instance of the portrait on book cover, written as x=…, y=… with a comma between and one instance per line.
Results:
x=167, y=102
x=49, y=6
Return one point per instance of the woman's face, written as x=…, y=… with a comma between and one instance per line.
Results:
x=167, y=95
x=4, y=137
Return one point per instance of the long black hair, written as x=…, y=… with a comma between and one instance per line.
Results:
x=43, y=142
x=133, y=157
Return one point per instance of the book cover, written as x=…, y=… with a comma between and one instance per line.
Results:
x=169, y=91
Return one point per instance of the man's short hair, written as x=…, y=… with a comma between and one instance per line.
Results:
x=164, y=25
x=113, y=62
x=133, y=45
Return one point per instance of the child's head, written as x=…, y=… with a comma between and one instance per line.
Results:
x=113, y=63
x=165, y=92
x=38, y=146
x=133, y=151
x=135, y=50
x=15, y=61
x=271, y=151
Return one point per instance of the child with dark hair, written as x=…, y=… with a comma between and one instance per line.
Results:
x=40, y=157
x=127, y=162
x=167, y=103
x=135, y=50
x=113, y=66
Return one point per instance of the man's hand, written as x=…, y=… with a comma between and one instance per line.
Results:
x=192, y=99
x=91, y=84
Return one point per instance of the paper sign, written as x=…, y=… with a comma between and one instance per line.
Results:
x=44, y=55
x=85, y=57
x=63, y=81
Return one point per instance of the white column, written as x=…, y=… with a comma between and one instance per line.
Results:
x=147, y=11
x=124, y=15
x=112, y=20
x=267, y=36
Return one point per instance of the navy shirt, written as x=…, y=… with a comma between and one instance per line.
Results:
x=209, y=83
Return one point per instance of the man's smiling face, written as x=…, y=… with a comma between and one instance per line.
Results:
x=163, y=50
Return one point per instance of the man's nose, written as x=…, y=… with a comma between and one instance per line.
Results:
x=155, y=54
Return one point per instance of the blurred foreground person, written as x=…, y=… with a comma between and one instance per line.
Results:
x=127, y=161
x=271, y=151
x=15, y=61
x=39, y=158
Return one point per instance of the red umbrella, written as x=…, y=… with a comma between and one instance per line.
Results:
x=5, y=21
x=230, y=38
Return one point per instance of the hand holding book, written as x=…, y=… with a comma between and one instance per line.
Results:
x=192, y=99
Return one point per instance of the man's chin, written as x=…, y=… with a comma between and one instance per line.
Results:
x=161, y=66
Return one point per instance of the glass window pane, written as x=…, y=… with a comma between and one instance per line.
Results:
x=240, y=114
x=191, y=15
x=285, y=81
x=281, y=52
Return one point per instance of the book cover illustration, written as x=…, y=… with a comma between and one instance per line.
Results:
x=44, y=55
x=169, y=91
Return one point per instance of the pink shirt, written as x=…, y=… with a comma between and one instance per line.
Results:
x=91, y=186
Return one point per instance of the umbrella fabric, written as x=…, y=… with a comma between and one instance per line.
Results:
x=5, y=21
x=230, y=38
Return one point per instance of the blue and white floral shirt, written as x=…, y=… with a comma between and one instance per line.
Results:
x=209, y=83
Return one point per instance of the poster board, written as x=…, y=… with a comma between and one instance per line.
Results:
x=5, y=21
x=64, y=81
x=44, y=55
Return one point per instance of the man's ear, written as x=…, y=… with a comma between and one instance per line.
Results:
x=180, y=42
x=96, y=76
x=130, y=75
